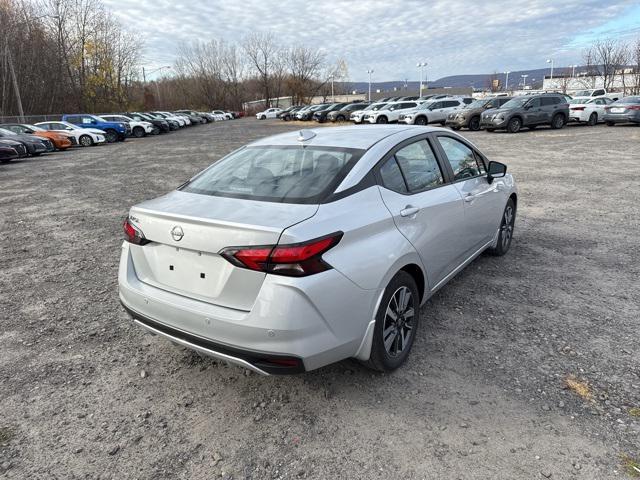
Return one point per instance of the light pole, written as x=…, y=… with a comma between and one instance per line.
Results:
x=333, y=98
x=524, y=81
x=550, y=60
x=506, y=80
x=421, y=66
x=144, y=79
x=370, y=71
x=573, y=70
x=14, y=78
x=144, y=72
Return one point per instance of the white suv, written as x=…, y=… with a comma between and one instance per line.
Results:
x=390, y=113
x=138, y=128
x=434, y=111
x=268, y=113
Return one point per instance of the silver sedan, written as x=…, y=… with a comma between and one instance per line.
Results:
x=310, y=247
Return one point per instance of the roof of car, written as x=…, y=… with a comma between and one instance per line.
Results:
x=359, y=137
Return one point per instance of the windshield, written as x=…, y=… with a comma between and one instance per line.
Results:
x=478, y=103
x=574, y=101
x=4, y=131
x=378, y=106
x=285, y=173
x=516, y=102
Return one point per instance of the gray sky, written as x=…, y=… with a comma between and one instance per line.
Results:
x=453, y=36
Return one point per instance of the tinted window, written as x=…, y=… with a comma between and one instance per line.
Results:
x=547, y=101
x=435, y=105
x=535, y=102
x=419, y=165
x=598, y=93
x=502, y=101
x=450, y=103
x=462, y=159
x=392, y=177
x=290, y=174
x=73, y=119
x=467, y=101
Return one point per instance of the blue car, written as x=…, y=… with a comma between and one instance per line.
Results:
x=113, y=131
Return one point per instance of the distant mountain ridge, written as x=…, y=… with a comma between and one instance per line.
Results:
x=477, y=81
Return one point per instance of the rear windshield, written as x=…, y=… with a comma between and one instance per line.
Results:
x=288, y=174
x=629, y=100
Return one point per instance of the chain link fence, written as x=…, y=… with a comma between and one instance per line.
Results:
x=29, y=118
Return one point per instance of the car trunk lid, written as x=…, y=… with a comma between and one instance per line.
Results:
x=187, y=230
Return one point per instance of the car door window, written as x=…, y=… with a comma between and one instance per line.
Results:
x=598, y=93
x=535, y=102
x=547, y=101
x=464, y=162
x=392, y=176
x=419, y=166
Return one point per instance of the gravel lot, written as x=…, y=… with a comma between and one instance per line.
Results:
x=526, y=366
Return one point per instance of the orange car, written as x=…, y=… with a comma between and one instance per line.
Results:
x=60, y=140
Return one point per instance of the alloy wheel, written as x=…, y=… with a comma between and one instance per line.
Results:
x=398, y=321
x=506, y=229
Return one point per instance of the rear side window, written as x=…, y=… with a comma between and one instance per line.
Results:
x=419, y=166
x=450, y=103
x=73, y=119
x=597, y=93
x=392, y=176
x=464, y=162
x=288, y=174
x=547, y=101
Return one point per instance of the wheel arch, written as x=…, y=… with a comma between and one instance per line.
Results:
x=418, y=276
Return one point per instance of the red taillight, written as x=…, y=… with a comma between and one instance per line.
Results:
x=295, y=260
x=577, y=108
x=133, y=234
x=634, y=107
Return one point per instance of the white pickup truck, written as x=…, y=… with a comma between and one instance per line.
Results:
x=597, y=92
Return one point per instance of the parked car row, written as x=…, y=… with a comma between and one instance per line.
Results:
x=491, y=113
x=19, y=140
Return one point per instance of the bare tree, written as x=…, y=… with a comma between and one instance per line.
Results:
x=605, y=58
x=305, y=65
x=635, y=59
x=262, y=50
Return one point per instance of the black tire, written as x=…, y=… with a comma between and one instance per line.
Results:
x=111, y=136
x=387, y=358
x=85, y=141
x=382, y=119
x=593, y=119
x=421, y=120
x=155, y=131
x=474, y=123
x=514, y=125
x=138, y=132
x=610, y=124
x=557, y=122
x=455, y=127
x=507, y=224
x=340, y=118
x=491, y=130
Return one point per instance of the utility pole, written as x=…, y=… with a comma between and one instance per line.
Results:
x=506, y=81
x=14, y=80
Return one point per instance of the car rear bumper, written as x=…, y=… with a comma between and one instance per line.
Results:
x=630, y=117
x=317, y=320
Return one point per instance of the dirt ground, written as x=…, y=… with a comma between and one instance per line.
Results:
x=525, y=366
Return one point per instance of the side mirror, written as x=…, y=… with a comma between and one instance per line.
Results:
x=496, y=170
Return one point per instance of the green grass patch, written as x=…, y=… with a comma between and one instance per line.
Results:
x=6, y=434
x=631, y=466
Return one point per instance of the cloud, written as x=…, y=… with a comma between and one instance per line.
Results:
x=454, y=37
